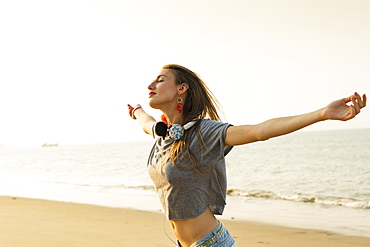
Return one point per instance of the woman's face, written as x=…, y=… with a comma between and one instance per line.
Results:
x=163, y=90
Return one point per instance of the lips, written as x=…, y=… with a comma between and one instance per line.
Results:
x=151, y=94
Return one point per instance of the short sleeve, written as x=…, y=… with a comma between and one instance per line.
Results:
x=213, y=135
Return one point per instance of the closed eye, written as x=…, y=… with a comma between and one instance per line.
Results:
x=159, y=78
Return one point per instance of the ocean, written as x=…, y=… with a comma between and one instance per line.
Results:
x=308, y=179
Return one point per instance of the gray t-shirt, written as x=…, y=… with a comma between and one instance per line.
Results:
x=185, y=193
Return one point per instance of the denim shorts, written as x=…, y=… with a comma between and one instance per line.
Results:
x=218, y=237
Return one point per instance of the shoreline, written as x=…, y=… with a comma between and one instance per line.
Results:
x=39, y=222
x=341, y=220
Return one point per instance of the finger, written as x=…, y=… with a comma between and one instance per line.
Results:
x=347, y=99
x=130, y=109
x=352, y=113
x=129, y=106
x=359, y=100
x=355, y=104
x=364, y=99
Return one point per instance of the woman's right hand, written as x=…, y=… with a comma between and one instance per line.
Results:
x=130, y=109
x=146, y=121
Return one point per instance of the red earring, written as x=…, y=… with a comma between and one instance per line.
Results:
x=179, y=105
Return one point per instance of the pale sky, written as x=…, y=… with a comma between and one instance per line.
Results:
x=68, y=68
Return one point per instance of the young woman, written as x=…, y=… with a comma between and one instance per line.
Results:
x=187, y=162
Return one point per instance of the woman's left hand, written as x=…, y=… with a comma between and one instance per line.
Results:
x=339, y=110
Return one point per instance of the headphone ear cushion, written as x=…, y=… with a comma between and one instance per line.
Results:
x=176, y=131
x=160, y=129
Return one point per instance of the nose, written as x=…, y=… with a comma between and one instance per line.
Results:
x=151, y=86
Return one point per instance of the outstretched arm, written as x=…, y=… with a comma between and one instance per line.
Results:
x=337, y=110
x=145, y=120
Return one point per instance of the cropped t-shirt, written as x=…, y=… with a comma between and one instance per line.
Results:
x=186, y=193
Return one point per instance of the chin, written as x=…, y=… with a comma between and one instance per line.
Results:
x=153, y=105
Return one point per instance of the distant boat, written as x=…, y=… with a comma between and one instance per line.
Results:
x=46, y=145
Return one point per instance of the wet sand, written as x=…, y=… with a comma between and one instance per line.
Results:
x=37, y=223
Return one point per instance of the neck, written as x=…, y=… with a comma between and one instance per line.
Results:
x=174, y=117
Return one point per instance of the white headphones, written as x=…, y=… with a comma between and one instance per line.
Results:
x=175, y=131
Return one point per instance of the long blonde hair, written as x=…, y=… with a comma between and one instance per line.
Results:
x=200, y=103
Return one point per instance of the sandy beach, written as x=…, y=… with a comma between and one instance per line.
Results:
x=33, y=222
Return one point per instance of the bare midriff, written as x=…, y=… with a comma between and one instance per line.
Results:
x=190, y=230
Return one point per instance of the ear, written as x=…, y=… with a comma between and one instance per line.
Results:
x=183, y=88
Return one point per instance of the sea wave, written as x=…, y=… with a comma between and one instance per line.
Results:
x=105, y=186
x=142, y=187
x=335, y=201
